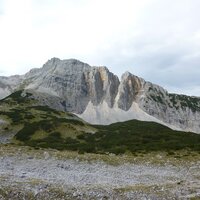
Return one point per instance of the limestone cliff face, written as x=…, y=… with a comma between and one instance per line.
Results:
x=180, y=110
x=76, y=83
x=97, y=95
x=9, y=84
x=103, y=86
x=129, y=89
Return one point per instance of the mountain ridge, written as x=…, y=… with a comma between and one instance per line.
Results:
x=25, y=122
x=100, y=97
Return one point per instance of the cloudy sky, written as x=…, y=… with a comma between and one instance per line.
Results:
x=155, y=39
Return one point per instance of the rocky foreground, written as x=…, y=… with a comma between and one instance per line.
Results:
x=36, y=174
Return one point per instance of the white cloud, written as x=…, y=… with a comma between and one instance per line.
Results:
x=32, y=30
x=152, y=38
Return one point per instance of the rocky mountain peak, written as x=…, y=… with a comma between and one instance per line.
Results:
x=52, y=61
x=99, y=96
x=125, y=75
x=57, y=66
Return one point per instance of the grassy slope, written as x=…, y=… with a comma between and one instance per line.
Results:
x=32, y=122
x=44, y=127
x=136, y=136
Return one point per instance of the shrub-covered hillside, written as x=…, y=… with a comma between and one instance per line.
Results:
x=31, y=122
x=41, y=126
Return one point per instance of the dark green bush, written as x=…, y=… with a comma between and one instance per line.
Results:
x=132, y=136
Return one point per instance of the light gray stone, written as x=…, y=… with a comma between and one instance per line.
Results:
x=71, y=85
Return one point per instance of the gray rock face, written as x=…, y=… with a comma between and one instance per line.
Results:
x=103, y=86
x=129, y=90
x=75, y=82
x=180, y=110
x=71, y=85
x=9, y=84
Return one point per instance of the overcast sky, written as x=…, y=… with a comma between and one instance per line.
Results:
x=158, y=40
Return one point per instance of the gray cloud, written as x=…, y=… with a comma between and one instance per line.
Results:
x=174, y=70
x=167, y=49
x=161, y=43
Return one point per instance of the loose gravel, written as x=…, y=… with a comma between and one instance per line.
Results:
x=74, y=179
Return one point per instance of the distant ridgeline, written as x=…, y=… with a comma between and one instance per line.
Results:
x=43, y=127
x=98, y=96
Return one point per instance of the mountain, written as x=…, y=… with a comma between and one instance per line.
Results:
x=98, y=96
x=23, y=119
x=24, y=122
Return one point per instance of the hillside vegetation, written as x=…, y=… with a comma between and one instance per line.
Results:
x=42, y=127
x=32, y=122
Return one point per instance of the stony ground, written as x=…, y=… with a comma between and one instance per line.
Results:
x=38, y=174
